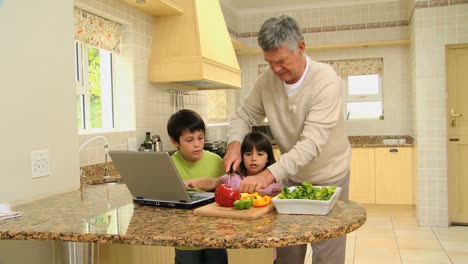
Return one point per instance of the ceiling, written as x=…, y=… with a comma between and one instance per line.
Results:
x=262, y=6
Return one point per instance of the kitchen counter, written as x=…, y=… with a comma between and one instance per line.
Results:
x=106, y=214
x=94, y=174
x=378, y=141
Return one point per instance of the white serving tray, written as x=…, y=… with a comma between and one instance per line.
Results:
x=305, y=206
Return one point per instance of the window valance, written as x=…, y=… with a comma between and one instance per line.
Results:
x=97, y=31
x=357, y=67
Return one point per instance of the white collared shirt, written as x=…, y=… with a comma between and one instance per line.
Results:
x=290, y=88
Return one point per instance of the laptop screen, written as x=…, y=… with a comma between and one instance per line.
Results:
x=150, y=175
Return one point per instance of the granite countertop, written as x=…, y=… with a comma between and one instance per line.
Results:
x=94, y=174
x=378, y=141
x=106, y=214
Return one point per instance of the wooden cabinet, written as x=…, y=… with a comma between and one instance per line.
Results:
x=362, y=179
x=382, y=175
x=138, y=254
x=194, y=50
x=393, y=176
x=157, y=7
x=276, y=152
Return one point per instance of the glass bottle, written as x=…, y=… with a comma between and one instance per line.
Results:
x=148, y=143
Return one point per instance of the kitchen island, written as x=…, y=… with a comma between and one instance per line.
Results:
x=106, y=214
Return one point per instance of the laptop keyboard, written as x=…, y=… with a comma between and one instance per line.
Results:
x=196, y=197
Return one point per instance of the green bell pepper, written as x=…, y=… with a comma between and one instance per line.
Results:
x=243, y=203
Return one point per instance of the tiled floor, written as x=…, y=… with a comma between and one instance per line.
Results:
x=391, y=235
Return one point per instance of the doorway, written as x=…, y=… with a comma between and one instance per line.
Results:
x=457, y=132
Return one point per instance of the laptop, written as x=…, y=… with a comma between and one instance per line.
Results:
x=152, y=179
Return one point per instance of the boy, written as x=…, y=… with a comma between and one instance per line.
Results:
x=186, y=130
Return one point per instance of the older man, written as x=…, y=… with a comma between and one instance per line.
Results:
x=302, y=100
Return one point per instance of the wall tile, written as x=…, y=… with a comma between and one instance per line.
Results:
x=430, y=107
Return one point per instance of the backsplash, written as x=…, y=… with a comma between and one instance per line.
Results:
x=214, y=133
x=94, y=152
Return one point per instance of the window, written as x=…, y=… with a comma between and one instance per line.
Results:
x=363, y=97
x=363, y=89
x=94, y=85
x=97, y=40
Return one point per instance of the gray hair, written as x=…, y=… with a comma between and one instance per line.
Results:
x=280, y=31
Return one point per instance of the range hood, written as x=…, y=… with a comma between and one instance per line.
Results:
x=194, y=49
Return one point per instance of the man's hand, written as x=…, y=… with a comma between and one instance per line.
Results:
x=232, y=158
x=256, y=183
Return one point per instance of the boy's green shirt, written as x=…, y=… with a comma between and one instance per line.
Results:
x=211, y=166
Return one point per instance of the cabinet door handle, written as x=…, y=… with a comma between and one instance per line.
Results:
x=393, y=150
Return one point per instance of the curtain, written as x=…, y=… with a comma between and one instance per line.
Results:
x=345, y=68
x=97, y=31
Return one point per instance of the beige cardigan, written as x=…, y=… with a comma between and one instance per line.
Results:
x=308, y=126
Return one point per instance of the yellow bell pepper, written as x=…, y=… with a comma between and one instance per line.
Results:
x=261, y=201
x=248, y=195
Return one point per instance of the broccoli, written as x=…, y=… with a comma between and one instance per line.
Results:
x=308, y=191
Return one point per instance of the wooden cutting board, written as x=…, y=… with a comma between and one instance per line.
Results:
x=213, y=209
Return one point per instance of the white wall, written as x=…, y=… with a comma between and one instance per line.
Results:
x=431, y=30
x=38, y=90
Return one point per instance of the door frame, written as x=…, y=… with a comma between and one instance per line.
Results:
x=450, y=157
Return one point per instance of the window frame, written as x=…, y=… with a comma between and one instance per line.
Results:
x=83, y=89
x=363, y=98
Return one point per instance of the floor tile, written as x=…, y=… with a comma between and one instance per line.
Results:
x=392, y=235
x=452, y=233
x=404, y=222
x=308, y=258
x=349, y=259
x=418, y=262
x=459, y=246
x=377, y=255
x=371, y=243
x=426, y=244
x=458, y=257
x=429, y=256
x=415, y=234
x=378, y=220
x=350, y=247
x=376, y=233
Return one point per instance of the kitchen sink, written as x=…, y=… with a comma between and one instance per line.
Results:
x=114, y=183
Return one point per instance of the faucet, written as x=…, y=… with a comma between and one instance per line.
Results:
x=106, y=147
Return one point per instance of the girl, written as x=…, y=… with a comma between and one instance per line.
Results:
x=257, y=155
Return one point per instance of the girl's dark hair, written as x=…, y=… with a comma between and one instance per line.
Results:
x=182, y=120
x=259, y=141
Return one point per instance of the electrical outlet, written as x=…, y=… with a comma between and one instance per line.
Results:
x=132, y=144
x=40, y=163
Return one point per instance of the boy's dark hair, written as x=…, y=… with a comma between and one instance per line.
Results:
x=182, y=120
x=259, y=141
